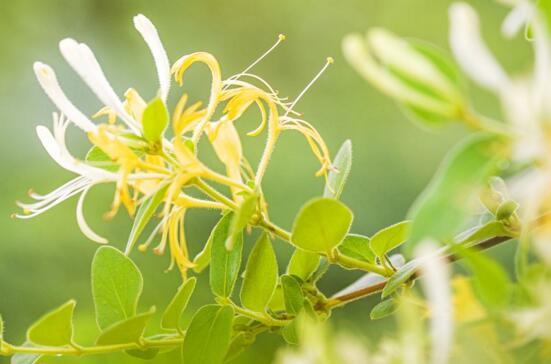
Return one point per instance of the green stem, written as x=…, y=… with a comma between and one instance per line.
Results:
x=214, y=194
x=8, y=350
x=353, y=263
x=264, y=318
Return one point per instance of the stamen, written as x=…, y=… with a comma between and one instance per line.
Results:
x=328, y=62
x=280, y=39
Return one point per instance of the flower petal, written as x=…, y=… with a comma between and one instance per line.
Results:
x=151, y=37
x=470, y=50
x=86, y=230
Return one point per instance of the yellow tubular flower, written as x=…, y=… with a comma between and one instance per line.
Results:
x=227, y=145
x=208, y=59
x=177, y=242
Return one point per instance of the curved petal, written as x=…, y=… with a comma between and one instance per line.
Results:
x=86, y=230
x=151, y=37
x=82, y=60
x=48, y=81
x=471, y=52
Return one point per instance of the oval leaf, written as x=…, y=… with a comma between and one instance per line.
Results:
x=224, y=263
x=400, y=277
x=321, y=225
x=383, y=309
x=240, y=219
x=55, y=328
x=389, y=238
x=292, y=293
x=126, y=331
x=208, y=336
x=116, y=286
x=154, y=120
x=303, y=264
x=172, y=314
x=357, y=247
x=261, y=275
x=453, y=192
x=337, y=179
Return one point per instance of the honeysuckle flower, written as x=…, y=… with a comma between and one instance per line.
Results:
x=130, y=148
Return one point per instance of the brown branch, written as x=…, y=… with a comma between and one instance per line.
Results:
x=378, y=287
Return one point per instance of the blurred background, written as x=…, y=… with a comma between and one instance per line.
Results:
x=46, y=260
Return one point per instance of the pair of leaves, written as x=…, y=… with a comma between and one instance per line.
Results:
x=321, y=225
x=225, y=263
x=208, y=335
x=260, y=280
x=446, y=203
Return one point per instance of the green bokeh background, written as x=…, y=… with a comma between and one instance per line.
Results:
x=46, y=261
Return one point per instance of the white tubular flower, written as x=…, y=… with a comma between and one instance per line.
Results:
x=436, y=285
x=471, y=52
x=151, y=37
x=82, y=60
x=48, y=81
x=81, y=221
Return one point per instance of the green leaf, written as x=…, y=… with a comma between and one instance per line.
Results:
x=321, y=225
x=292, y=293
x=383, y=309
x=277, y=303
x=116, y=286
x=506, y=210
x=337, y=179
x=144, y=214
x=126, y=331
x=290, y=332
x=208, y=336
x=154, y=120
x=240, y=219
x=452, y=194
x=357, y=247
x=224, y=264
x=389, y=238
x=173, y=313
x=238, y=345
x=145, y=354
x=400, y=277
x=261, y=274
x=490, y=281
x=98, y=158
x=55, y=328
x=489, y=230
x=202, y=259
x=303, y=264
x=24, y=358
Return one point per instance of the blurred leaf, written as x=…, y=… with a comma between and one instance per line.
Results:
x=144, y=214
x=357, y=247
x=445, y=204
x=1, y=332
x=489, y=230
x=321, y=225
x=154, y=120
x=145, y=354
x=290, y=332
x=126, y=331
x=208, y=336
x=292, y=293
x=238, y=344
x=337, y=179
x=303, y=264
x=24, y=358
x=241, y=218
x=491, y=282
x=400, y=277
x=506, y=210
x=173, y=313
x=116, y=286
x=98, y=158
x=383, y=309
x=261, y=275
x=54, y=328
x=389, y=238
x=224, y=263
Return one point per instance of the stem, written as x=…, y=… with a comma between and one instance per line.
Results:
x=8, y=349
x=214, y=194
x=262, y=318
x=377, y=287
x=274, y=229
x=349, y=262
